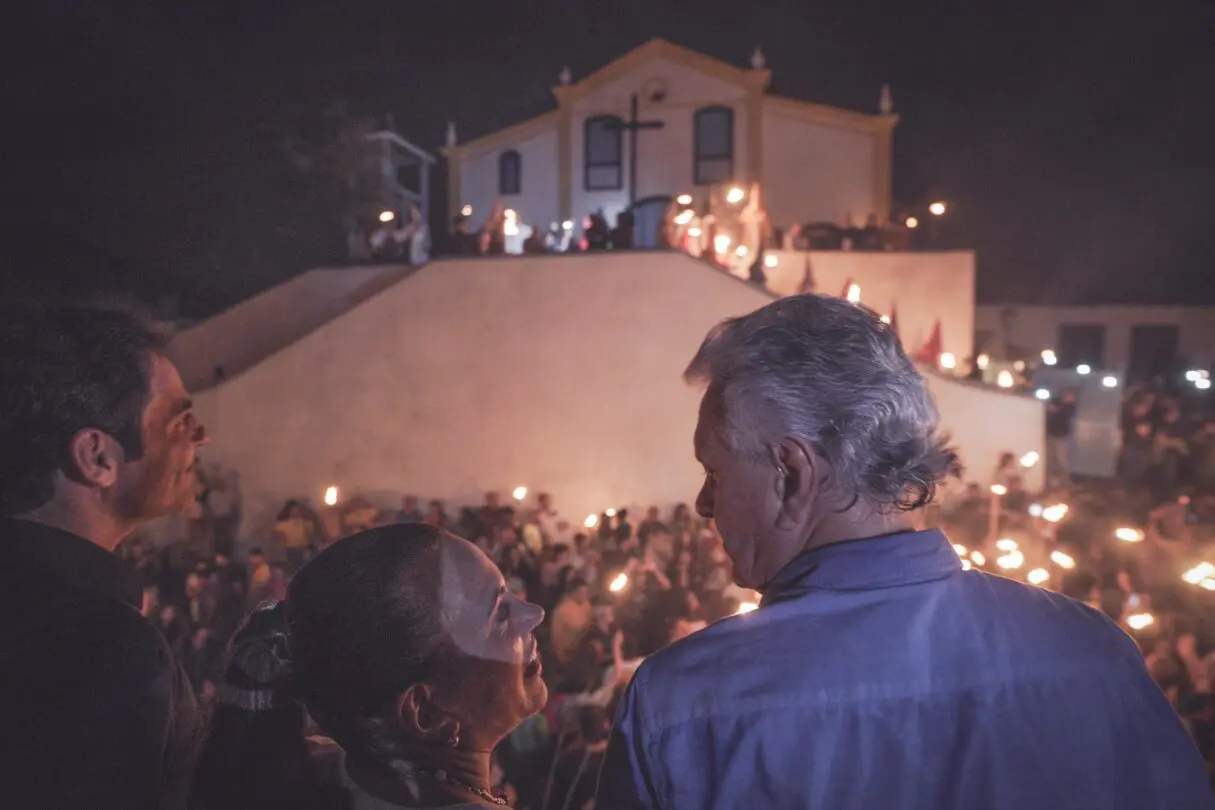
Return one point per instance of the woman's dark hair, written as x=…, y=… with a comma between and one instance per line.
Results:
x=361, y=623
x=64, y=368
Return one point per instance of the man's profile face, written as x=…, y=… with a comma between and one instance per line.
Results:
x=163, y=479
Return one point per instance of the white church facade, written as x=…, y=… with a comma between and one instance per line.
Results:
x=663, y=121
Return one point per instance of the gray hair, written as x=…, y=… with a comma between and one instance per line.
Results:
x=832, y=373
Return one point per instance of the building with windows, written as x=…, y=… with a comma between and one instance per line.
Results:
x=663, y=121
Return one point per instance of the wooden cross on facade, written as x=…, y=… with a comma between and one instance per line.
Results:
x=633, y=126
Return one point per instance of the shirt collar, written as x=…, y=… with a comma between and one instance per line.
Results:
x=72, y=557
x=886, y=561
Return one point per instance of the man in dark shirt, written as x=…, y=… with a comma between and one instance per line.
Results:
x=1059, y=417
x=97, y=435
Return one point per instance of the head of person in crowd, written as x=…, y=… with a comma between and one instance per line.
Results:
x=97, y=431
x=405, y=646
x=814, y=428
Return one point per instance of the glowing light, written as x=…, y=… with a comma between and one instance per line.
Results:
x=771, y=261
x=568, y=225
x=1062, y=560
x=1035, y=510
x=387, y=216
x=1109, y=381
x=510, y=222
x=885, y=319
x=999, y=489
x=1030, y=459
x=741, y=251
x=684, y=199
x=721, y=243
x=1049, y=357
x=982, y=361
x=1195, y=374
x=1005, y=379
x=948, y=361
x=1055, y=512
x=912, y=223
x=694, y=232
x=1139, y=621
x=1019, y=366
x=959, y=549
x=745, y=607
x=978, y=558
x=735, y=195
x=1084, y=369
x=937, y=209
x=331, y=496
x=1208, y=583
x=684, y=217
x=1202, y=384
x=854, y=293
x=1042, y=394
x=466, y=211
x=1037, y=576
x=1006, y=544
x=520, y=493
x=966, y=566
x=619, y=583
x=591, y=521
x=1128, y=535
x=1013, y=559
x=610, y=512
x=1198, y=573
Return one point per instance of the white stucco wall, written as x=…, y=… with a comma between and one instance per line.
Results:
x=923, y=287
x=1036, y=327
x=559, y=373
x=537, y=200
x=816, y=172
x=665, y=155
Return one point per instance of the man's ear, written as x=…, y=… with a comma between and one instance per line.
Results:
x=798, y=481
x=422, y=718
x=94, y=457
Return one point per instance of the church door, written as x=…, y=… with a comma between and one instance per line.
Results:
x=647, y=221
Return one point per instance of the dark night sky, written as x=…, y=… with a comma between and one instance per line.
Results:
x=1075, y=140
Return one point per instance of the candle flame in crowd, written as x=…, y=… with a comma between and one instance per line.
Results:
x=982, y=361
x=510, y=222
x=1109, y=381
x=1139, y=621
x=885, y=319
x=331, y=496
x=466, y=211
x=721, y=243
x=684, y=199
x=1055, y=512
x=1042, y=394
x=745, y=607
x=1062, y=559
x=1128, y=535
x=1006, y=544
x=520, y=493
x=959, y=549
x=1049, y=357
x=695, y=232
x=771, y=261
x=977, y=558
x=948, y=361
x=1030, y=459
x=937, y=209
x=619, y=582
x=1208, y=584
x=1198, y=573
x=966, y=566
x=854, y=293
x=741, y=251
x=387, y=216
x=591, y=521
x=1035, y=510
x=1005, y=379
x=999, y=489
x=1202, y=384
x=568, y=225
x=610, y=512
x=1013, y=559
x=684, y=217
x=912, y=223
x=735, y=195
x=1037, y=576
x=1084, y=369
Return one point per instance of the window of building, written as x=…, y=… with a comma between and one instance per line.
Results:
x=604, y=159
x=510, y=173
x=713, y=145
x=1081, y=343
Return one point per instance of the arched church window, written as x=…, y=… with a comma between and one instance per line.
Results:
x=603, y=153
x=713, y=145
x=510, y=173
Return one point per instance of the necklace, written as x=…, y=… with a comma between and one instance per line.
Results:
x=441, y=775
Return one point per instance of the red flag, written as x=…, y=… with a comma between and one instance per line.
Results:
x=930, y=353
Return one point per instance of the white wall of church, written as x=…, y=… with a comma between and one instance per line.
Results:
x=816, y=172
x=559, y=373
x=537, y=200
x=921, y=286
x=664, y=155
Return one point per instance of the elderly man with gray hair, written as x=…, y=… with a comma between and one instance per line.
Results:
x=876, y=672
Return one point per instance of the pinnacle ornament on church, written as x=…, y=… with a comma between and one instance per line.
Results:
x=565, y=76
x=886, y=101
x=451, y=133
x=758, y=62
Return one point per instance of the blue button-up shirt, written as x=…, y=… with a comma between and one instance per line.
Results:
x=879, y=674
